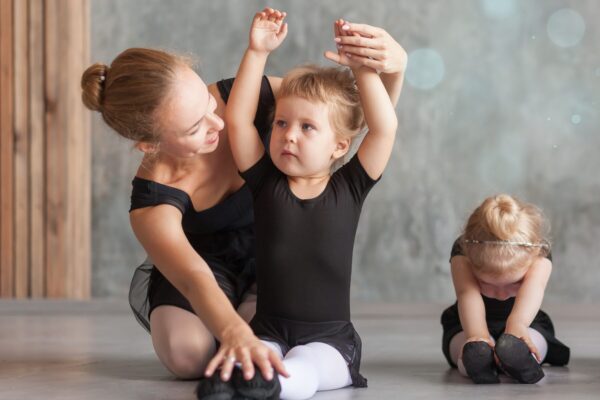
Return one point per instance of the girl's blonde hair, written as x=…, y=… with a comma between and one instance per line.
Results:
x=129, y=91
x=504, y=234
x=335, y=87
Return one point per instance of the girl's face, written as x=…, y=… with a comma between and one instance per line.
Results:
x=501, y=286
x=303, y=143
x=187, y=118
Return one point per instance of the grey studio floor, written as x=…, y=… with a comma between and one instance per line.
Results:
x=95, y=350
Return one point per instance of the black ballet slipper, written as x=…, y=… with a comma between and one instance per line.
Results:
x=214, y=388
x=257, y=388
x=478, y=359
x=516, y=359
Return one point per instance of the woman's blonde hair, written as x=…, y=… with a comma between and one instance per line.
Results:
x=129, y=91
x=504, y=234
x=335, y=87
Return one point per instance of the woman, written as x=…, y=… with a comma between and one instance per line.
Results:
x=190, y=209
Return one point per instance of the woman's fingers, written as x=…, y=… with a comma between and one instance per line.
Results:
x=277, y=363
x=261, y=360
x=247, y=365
x=363, y=29
x=362, y=51
x=360, y=41
x=365, y=61
x=214, y=363
x=227, y=366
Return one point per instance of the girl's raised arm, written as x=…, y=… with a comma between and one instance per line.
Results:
x=266, y=34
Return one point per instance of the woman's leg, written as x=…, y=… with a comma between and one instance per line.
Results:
x=181, y=341
x=313, y=367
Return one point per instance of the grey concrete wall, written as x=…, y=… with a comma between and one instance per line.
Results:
x=501, y=96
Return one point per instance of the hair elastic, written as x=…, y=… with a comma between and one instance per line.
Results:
x=507, y=243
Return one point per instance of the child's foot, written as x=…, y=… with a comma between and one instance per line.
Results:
x=214, y=388
x=257, y=388
x=516, y=359
x=478, y=359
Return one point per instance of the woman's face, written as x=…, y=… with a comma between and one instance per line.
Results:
x=189, y=125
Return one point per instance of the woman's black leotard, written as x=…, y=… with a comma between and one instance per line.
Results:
x=223, y=235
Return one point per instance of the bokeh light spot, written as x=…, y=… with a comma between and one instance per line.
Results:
x=565, y=27
x=425, y=68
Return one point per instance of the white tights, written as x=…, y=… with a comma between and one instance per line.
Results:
x=458, y=341
x=312, y=367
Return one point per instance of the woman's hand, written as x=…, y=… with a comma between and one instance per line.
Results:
x=239, y=345
x=369, y=46
x=268, y=30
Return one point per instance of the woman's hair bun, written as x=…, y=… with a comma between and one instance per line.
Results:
x=92, y=86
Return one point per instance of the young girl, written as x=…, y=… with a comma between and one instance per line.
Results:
x=305, y=216
x=500, y=268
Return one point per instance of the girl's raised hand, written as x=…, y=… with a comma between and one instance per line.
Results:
x=369, y=46
x=268, y=30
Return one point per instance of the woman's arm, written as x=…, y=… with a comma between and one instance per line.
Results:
x=370, y=46
x=266, y=34
x=471, y=309
x=529, y=300
x=159, y=231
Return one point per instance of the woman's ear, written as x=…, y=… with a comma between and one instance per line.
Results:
x=341, y=148
x=148, y=148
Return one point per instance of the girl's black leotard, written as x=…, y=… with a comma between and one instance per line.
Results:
x=304, y=259
x=496, y=314
x=223, y=235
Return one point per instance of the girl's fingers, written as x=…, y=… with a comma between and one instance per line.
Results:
x=257, y=17
x=335, y=57
x=283, y=30
x=282, y=17
x=336, y=30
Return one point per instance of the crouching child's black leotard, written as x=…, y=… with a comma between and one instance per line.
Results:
x=304, y=259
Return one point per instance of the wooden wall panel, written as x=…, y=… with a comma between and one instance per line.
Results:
x=6, y=150
x=37, y=143
x=45, y=210
x=21, y=150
